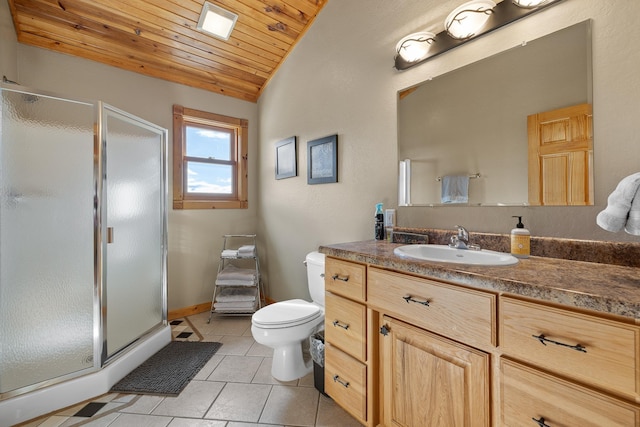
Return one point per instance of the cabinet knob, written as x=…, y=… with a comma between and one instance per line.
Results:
x=384, y=330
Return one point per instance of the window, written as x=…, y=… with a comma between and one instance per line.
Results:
x=209, y=160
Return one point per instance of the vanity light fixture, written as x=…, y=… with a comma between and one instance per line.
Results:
x=216, y=21
x=415, y=47
x=467, y=22
x=468, y=19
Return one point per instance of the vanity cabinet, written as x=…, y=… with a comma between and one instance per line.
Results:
x=348, y=366
x=408, y=350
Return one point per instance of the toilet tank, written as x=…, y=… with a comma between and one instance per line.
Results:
x=315, y=276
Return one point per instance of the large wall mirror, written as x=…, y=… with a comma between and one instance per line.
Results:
x=476, y=121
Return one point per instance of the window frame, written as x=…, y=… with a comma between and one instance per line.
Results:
x=238, y=199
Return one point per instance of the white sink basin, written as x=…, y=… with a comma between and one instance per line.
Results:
x=443, y=253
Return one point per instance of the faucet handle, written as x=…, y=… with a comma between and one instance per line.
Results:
x=463, y=234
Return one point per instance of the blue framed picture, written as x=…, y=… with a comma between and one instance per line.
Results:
x=322, y=160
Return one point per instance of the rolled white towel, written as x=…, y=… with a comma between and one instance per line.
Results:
x=614, y=216
x=633, y=221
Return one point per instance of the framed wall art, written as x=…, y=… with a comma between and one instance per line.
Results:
x=322, y=160
x=286, y=158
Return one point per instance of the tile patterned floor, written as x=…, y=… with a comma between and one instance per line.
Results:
x=234, y=389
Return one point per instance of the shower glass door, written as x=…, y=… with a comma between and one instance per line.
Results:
x=134, y=286
x=46, y=239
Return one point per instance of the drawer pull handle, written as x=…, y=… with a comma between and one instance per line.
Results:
x=338, y=277
x=342, y=325
x=336, y=379
x=544, y=340
x=541, y=422
x=409, y=298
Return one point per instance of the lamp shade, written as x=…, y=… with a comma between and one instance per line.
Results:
x=529, y=4
x=415, y=47
x=466, y=20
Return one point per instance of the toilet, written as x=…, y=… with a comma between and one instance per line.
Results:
x=285, y=326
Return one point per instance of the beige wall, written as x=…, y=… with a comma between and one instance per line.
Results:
x=8, y=43
x=340, y=79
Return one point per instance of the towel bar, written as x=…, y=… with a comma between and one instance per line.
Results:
x=470, y=177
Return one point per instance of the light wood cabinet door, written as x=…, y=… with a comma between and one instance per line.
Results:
x=533, y=398
x=428, y=380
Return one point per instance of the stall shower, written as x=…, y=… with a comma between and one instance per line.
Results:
x=82, y=248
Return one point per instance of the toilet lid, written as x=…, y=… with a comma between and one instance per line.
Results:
x=285, y=312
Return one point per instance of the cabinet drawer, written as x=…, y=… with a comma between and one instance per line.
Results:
x=528, y=394
x=345, y=278
x=590, y=349
x=458, y=313
x=345, y=380
x=345, y=325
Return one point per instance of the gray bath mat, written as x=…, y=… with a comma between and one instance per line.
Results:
x=168, y=371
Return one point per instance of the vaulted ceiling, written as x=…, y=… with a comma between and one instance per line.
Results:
x=158, y=38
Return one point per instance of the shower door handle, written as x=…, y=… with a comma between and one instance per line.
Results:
x=109, y=234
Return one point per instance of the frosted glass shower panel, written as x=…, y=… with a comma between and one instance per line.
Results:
x=46, y=238
x=135, y=214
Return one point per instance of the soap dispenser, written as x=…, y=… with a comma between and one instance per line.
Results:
x=379, y=227
x=520, y=240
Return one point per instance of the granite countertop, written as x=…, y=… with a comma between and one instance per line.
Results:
x=605, y=288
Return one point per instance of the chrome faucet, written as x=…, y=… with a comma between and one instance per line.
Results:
x=461, y=240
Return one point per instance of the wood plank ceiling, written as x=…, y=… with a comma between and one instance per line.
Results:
x=158, y=38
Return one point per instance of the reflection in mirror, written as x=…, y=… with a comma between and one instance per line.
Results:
x=473, y=120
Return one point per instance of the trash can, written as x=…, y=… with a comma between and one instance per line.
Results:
x=316, y=348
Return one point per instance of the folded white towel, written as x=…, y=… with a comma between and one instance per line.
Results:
x=246, y=251
x=232, y=282
x=237, y=305
x=455, y=189
x=614, y=217
x=231, y=294
x=633, y=221
x=231, y=272
x=229, y=253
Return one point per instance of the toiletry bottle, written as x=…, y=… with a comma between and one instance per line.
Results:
x=520, y=240
x=379, y=227
x=389, y=223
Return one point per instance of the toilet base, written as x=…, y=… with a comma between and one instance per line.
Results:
x=289, y=364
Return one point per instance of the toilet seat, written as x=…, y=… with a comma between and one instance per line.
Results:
x=286, y=314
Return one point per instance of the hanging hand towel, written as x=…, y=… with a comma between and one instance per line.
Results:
x=455, y=189
x=614, y=217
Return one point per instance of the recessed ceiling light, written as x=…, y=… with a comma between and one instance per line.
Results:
x=216, y=21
